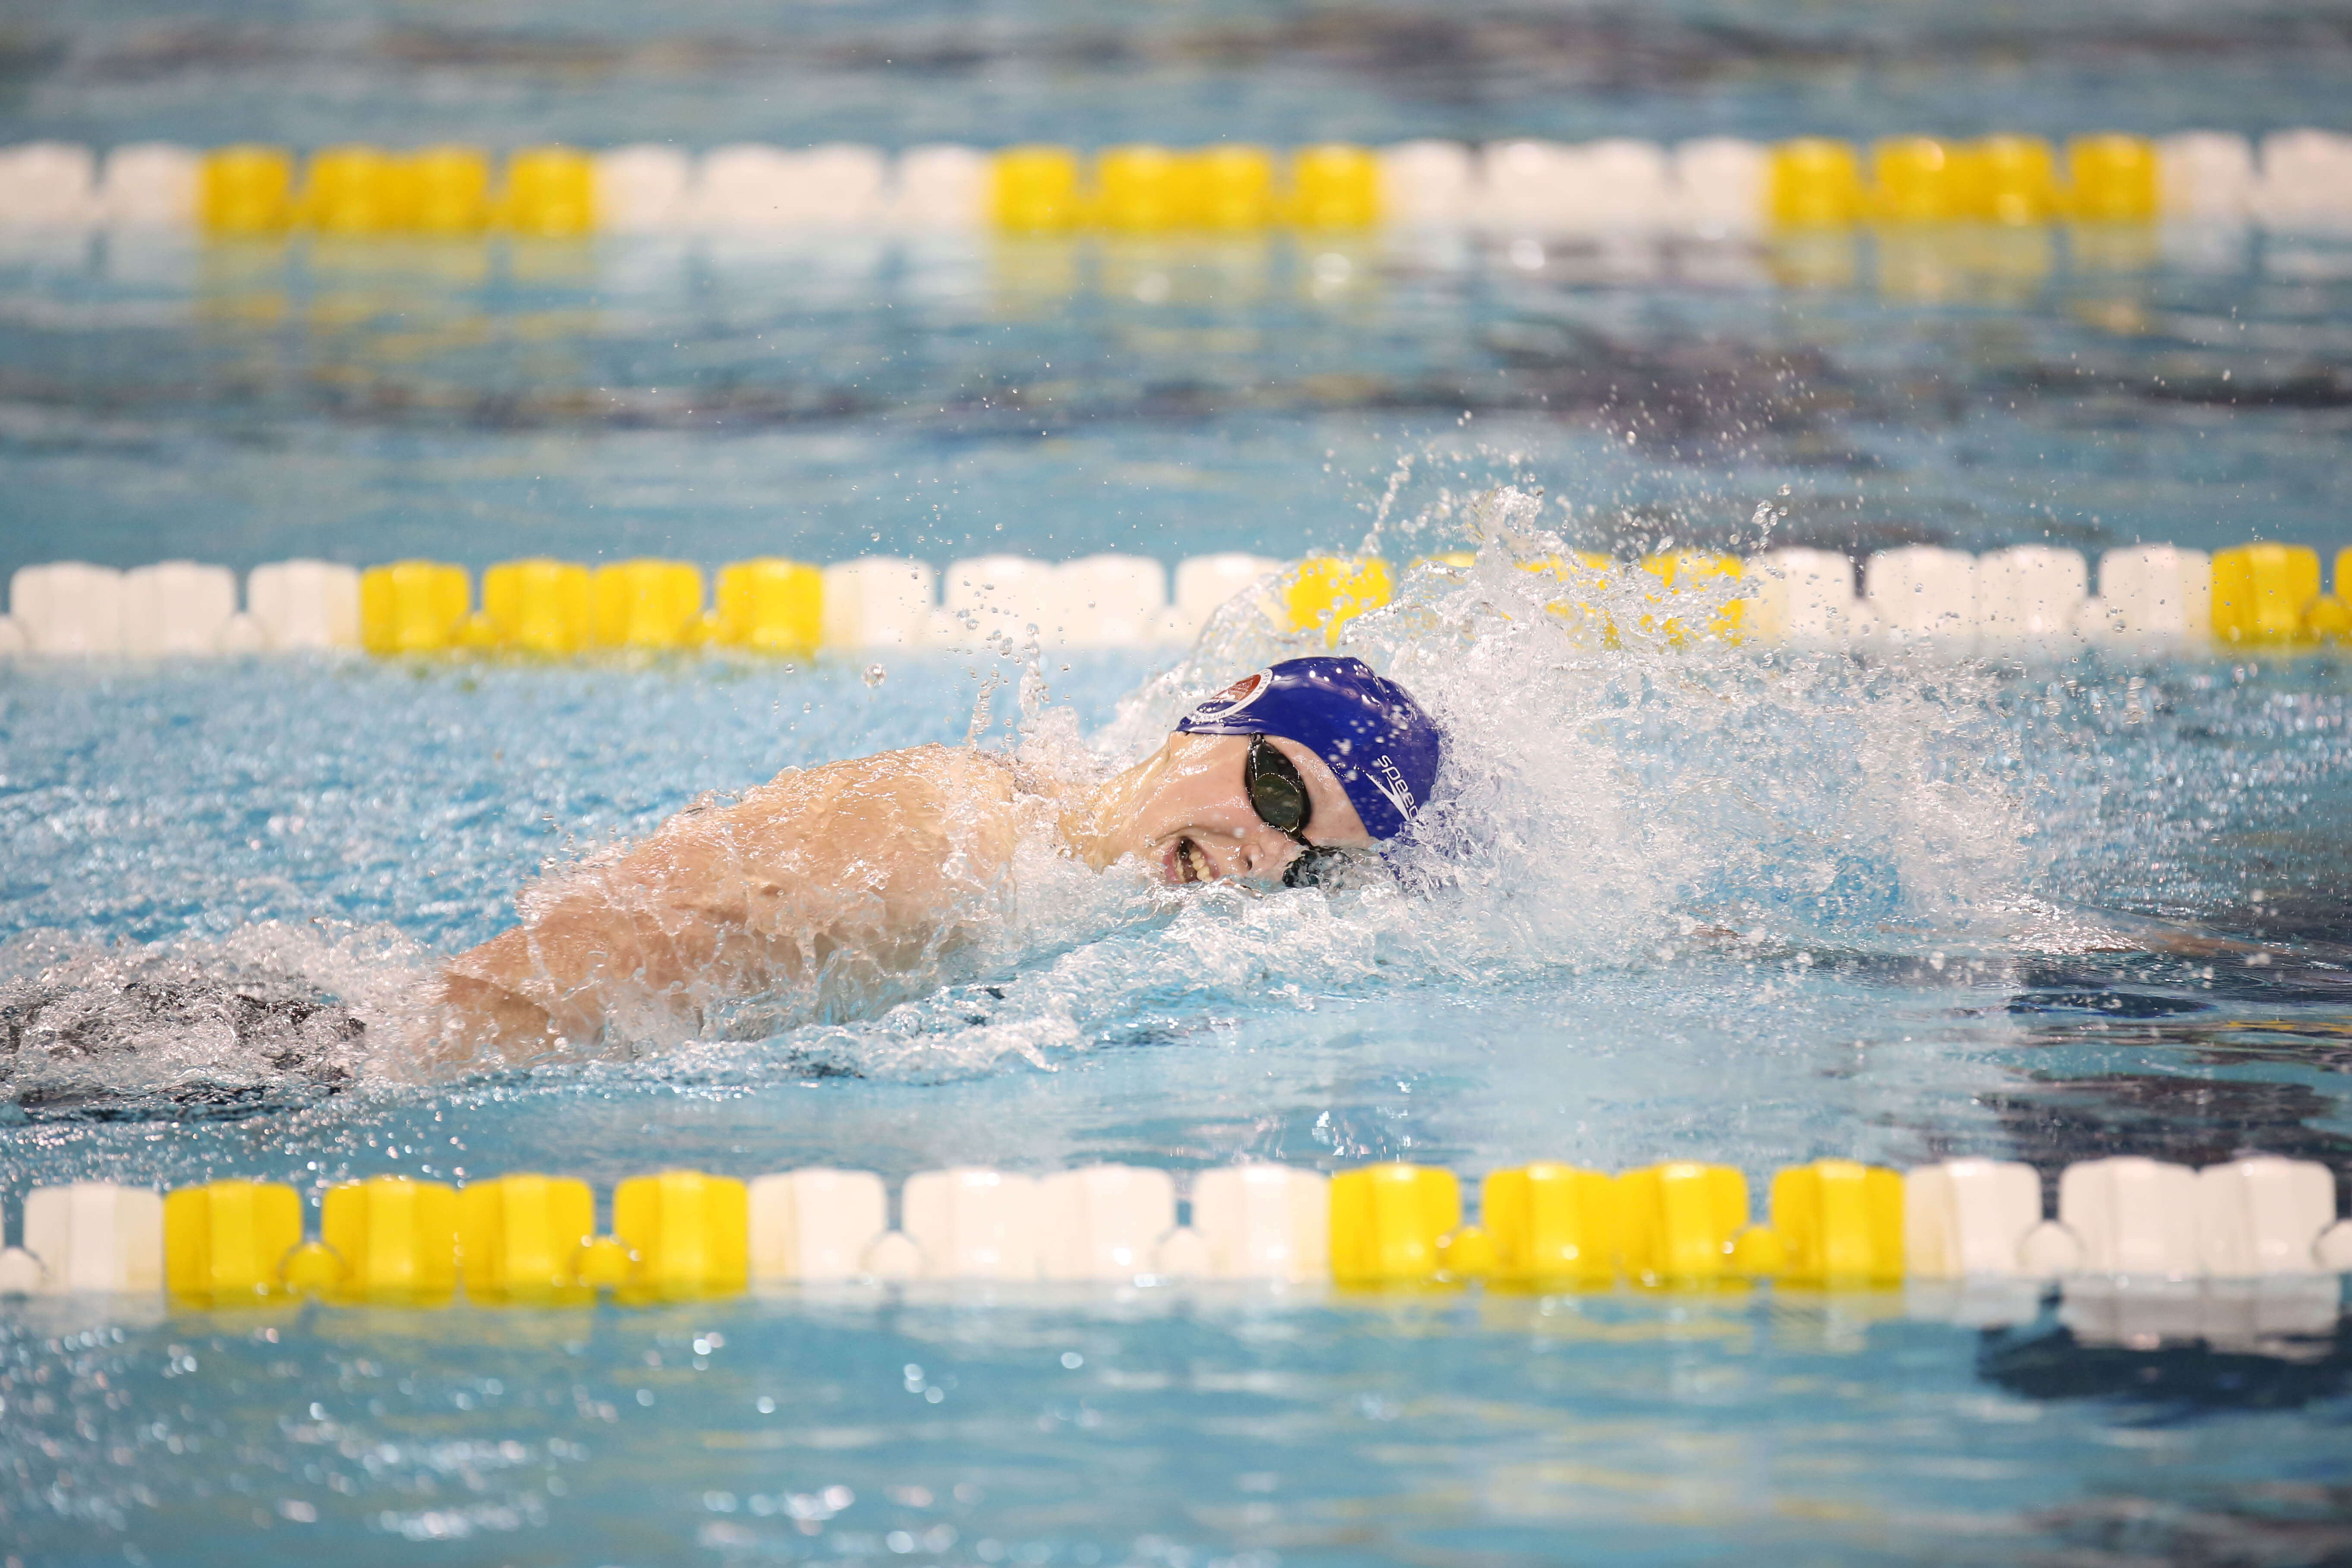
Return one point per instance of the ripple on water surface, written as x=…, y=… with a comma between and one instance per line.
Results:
x=1682, y=903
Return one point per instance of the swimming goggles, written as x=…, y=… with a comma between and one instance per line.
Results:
x=1279, y=797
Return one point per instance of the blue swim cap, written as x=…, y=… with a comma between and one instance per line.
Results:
x=1384, y=748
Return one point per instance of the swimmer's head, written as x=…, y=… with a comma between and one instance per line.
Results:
x=1377, y=741
x=1310, y=755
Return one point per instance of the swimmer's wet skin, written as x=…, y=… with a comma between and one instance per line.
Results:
x=856, y=870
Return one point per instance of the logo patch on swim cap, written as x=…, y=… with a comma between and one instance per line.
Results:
x=1235, y=697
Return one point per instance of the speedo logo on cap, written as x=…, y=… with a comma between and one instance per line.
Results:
x=1390, y=781
x=1236, y=697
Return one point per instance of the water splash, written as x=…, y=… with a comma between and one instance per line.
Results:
x=1614, y=770
x=1622, y=787
x=272, y=1016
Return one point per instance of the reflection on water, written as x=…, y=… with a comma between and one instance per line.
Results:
x=1750, y=914
x=238, y=820
x=1162, y=1425
x=804, y=72
x=731, y=396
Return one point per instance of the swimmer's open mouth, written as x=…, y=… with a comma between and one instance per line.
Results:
x=1186, y=863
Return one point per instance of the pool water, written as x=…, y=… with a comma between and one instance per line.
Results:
x=722, y=399
x=1689, y=900
x=2147, y=957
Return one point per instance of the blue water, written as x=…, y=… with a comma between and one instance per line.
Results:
x=1702, y=904
x=313, y=71
x=963, y=1430
x=247, y=824
x=721, y=400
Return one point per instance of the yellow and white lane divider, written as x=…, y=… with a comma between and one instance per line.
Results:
x=2033, y=602
x=2296, y=179
x=558, y=608
x=2140, y=1249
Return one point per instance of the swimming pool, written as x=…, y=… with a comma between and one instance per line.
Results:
x=336, y=824
x=1721, y=906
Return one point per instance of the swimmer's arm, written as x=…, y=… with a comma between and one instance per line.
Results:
x=849, y=863
x=626, y=931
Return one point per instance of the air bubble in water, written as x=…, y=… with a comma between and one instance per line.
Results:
x=876, y=675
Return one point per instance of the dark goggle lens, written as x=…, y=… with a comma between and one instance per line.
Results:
x=1276, y=793
x=1282, y=802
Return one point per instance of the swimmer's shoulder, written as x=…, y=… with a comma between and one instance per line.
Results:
x=954, y=774
x=917, y=778
x=947, y=814
x=966, y=766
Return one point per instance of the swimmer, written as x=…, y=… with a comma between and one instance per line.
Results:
x=832, y=879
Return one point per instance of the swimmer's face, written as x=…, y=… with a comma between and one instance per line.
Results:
x=1192, y=822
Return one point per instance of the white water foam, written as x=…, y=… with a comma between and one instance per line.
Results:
x=1616, y=790
x=271, y=1015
